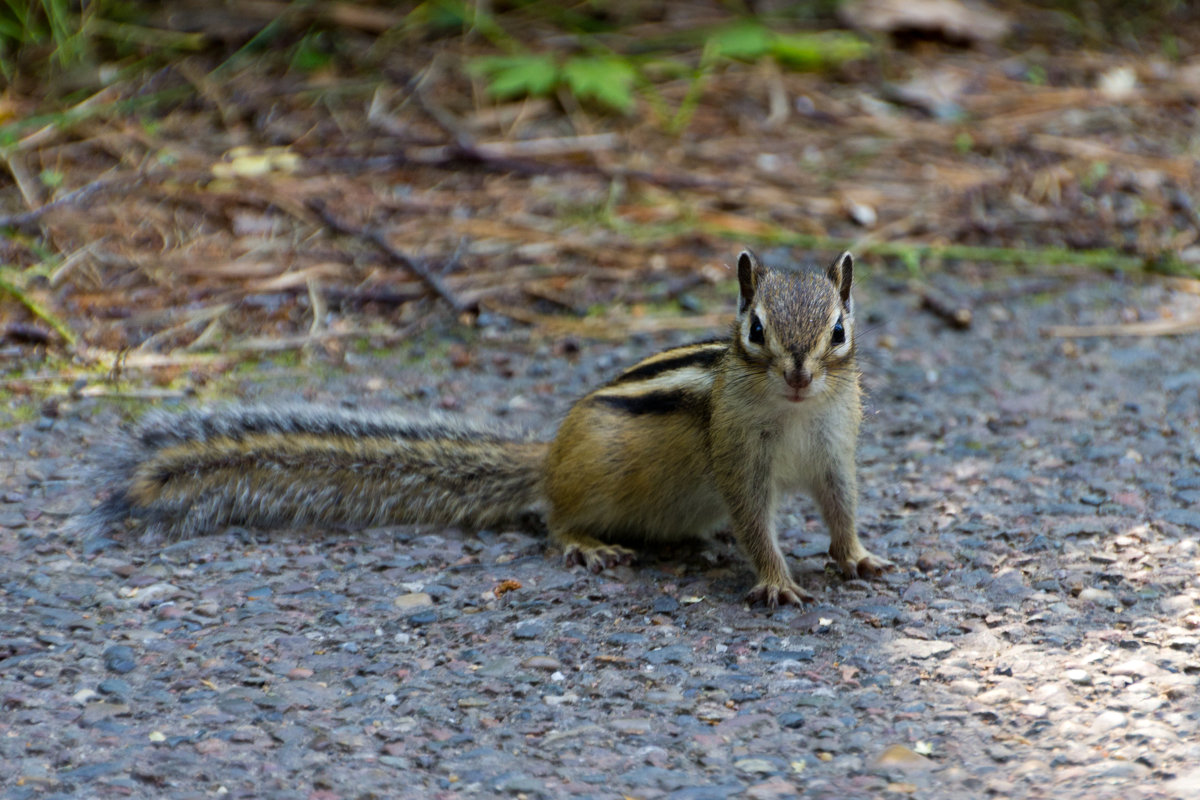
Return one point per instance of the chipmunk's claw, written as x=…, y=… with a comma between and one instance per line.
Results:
x=774, y=594
x=597, y=558
x=872, y=566
x=865, y=565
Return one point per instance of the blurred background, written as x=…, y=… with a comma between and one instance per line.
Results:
x=189, y=185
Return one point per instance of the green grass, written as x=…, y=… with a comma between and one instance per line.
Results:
x=916, y=256
x=54, y=36
x=11, y=282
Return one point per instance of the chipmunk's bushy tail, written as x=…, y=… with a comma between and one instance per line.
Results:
x=269, y=466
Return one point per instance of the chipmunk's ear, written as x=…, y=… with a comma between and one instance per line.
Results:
x=748, y=269
x=841, y=272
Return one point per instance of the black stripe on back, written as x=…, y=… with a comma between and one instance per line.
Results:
x=699, y=358
x=648, y=402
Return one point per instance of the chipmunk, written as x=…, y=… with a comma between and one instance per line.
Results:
x=675, y=447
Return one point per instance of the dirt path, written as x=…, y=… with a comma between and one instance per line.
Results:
x=1041, y=496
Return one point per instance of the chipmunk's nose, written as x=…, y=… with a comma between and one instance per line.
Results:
x=798, y=378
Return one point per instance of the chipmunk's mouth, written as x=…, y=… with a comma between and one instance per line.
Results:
x=798, y=394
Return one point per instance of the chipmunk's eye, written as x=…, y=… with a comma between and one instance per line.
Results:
x=756, y=330
x=839, y=333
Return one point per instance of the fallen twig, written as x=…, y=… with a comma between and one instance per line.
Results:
x=268, y=344
x=29, y=186
x=376, y=237
x=132, y=394
x=743, y=228
x=382, y=296
x=1178, y=168
x=191, y=319
x=608, y=327
x=492, y=157
x=545, y=290
x=27, y=221
x=25, y=334
x=1154, y=327
x=316, y=301
x=940, y=304
x=121, y=360
x=548, y=146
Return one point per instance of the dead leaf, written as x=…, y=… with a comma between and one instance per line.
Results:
x=506, y=586
x=898, y=756
x=947, y=18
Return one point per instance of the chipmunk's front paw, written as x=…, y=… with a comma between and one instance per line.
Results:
x=866, y=565
x=772, y=594
x=597, y=557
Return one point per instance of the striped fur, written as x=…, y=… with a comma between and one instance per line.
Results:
x=674, y=381
x=300, y=465
x=713, y=434
x=676, y=446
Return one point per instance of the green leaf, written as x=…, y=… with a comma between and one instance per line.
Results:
x=51, y=178
x=607, y=81
x=517, y=76
x=439, y=17
x=11, y=30
x=310, y=56
x=746, y=41
x=813, y=51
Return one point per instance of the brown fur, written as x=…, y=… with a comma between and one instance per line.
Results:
x=678, y=445
x=267, y=466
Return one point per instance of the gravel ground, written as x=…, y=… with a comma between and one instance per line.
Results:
x=1041, y=497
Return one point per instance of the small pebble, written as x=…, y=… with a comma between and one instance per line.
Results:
x=413, y=600
x=756, y=765
x=901, y=757
x=115, y=687
x=529, y=630
x=994, y=696
x=1080, y=677
x=1107, y=721
x=1135, y=667
x=120, y=659
x=542, y=662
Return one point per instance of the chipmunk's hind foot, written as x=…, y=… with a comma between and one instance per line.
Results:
x=586, y=551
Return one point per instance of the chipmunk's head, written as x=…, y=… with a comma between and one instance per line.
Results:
x=797, y=325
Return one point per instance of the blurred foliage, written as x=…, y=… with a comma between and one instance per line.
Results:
x=1126, y=23
x=53, y=28
x=44, y=39
x=751, y=40
x=604, y=81
x=607, y=79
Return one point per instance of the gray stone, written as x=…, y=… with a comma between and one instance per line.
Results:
x=120, y=659
x=1185, y=517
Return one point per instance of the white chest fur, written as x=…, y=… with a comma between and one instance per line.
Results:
x=813, y=436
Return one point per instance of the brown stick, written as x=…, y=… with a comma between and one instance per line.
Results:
x=455, y=156
x=27, y=221
x=951, y=309
x=25, y=334
x=376, y=237
x=1154, y=327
